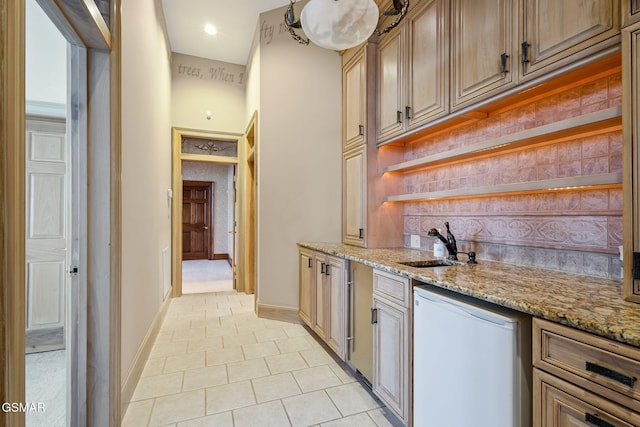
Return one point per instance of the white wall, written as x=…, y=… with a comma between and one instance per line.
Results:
x=146, y=169
x=200, y=85
x=219, y=175
x=45, y=58
x=299, y=156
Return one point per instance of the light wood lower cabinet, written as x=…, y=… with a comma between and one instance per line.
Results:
x=583, y=380
x=322, y=290
x=391, y=318
x=561, y=404
x=307, y=287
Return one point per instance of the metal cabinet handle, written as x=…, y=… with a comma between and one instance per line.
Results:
x=360, y=130
x=361, y=233
x=399, y=116
x=525, y=51
x=407, y=112
x=352, y=338
x=310, y=265
x=611, y=374
x=374, y=316
x=322, y=268
x=327, y=268
x=596, y=420
x=503, y=63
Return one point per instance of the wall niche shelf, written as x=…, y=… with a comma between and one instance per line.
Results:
x=601, y=181
x=588, y=124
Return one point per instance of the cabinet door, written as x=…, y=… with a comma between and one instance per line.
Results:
x=336, y=333
x=322, y=296
x=354, y=196
x=427, y=63
x=390, y=99
x=561, y=32
x=482, y=31
x=390, y=356
x=353, y=95
x=307, y=288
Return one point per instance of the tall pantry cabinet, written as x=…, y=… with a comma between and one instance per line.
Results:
x=366, y=220
x=631, y=137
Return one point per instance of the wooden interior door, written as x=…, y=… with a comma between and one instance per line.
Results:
x=197, y=242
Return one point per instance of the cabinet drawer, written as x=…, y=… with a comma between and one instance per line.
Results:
x=392, y=287
x=558, y=403
x=606, y=367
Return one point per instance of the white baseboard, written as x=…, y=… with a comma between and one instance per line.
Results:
x=129, y=384
x=276, y=312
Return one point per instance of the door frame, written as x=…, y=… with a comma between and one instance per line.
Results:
x=209, y=211
x=99, y=45
x=177, y=157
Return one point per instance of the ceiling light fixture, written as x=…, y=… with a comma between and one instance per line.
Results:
x=210, y=29
x=340, y=24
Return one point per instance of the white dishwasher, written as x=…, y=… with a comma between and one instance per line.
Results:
x=471, y=362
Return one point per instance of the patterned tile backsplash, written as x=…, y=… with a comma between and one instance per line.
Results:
x=577, y=231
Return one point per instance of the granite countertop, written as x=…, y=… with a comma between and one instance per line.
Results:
x=583, y=302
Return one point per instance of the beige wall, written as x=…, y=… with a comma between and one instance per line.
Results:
x=201, y=85
x=146, y=169
x=299, y=156
x=219, y=175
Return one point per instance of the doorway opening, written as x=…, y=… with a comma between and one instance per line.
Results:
x=49, y=220
x=207, y=227
x=204, y=212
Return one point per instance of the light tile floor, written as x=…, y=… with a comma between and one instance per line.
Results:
x=215, y=363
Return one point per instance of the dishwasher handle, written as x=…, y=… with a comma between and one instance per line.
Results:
x=476, y=314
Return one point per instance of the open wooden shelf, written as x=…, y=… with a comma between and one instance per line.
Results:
x=594, y=123
x=608, y=180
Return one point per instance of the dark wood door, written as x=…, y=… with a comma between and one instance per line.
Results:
x=196, y=220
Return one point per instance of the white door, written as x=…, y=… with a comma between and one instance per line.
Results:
x=47, y=233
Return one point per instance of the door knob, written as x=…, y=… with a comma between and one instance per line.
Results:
x=205, y=228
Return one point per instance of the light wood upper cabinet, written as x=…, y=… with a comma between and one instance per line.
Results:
x=557, y=33
x=354, y=100
x=354, y=184
x=413, y=65
x=390, y=114
x=483, y=49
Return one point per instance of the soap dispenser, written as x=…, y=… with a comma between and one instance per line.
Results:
x=438, y=248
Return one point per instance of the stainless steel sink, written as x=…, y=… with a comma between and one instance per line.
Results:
x=429, y=263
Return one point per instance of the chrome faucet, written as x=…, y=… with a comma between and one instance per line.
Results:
x=450, y=244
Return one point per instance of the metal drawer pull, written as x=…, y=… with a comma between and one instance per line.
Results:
x=326, y=270
x=611, y=374
x=322, y=268
x=596, y=420
x=374, y=316
x=399, y=117
x=360, y=130
x=503, y=63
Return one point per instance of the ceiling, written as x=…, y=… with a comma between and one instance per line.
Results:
x=235, y=21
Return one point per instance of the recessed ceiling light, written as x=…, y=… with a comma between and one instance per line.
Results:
x=210, y=29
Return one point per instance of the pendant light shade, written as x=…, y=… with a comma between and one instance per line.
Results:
x=339, y=24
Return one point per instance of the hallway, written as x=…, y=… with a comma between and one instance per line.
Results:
x=216, y=364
